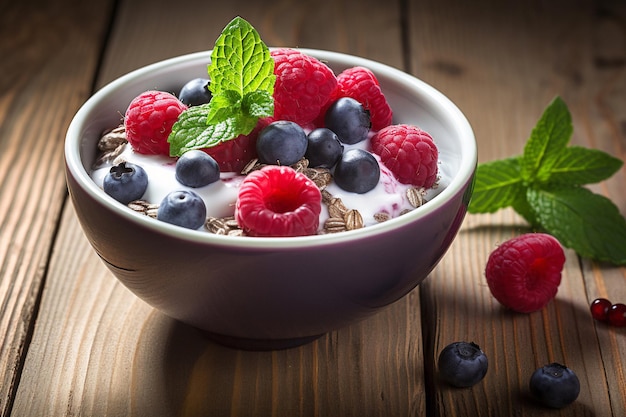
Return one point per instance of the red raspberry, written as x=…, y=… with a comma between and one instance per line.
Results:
x=278, y=201
x=233, y=155
x=524, y=272
x=304, y=85
x=408, y=152
x=149, y=119
x=362, y=85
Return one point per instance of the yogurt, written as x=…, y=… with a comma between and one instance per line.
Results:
x=389, y=198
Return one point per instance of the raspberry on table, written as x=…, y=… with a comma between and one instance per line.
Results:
x=409, y=152
x=524, y=272
x=278, y=201
x=361, y=84
x=149, y=119
x=304, y=86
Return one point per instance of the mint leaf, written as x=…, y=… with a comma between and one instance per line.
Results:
x=498, y=184
x=242, y=85
x=577, y=166
x=547, y=140
x=240, y=61
x=192, y=132
x=586, y=222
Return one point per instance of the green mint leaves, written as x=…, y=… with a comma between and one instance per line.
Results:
x=242, y=84
x=545, y=186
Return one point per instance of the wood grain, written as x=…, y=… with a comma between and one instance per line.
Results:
x=130, y=360
x=40, y=47
x=502, y=65
x=79, y=343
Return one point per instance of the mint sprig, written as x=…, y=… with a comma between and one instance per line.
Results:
x=545, y=185
x=242, y=84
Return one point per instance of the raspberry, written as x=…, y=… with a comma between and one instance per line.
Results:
x=362, y=85
x=524, y=272
x=408, y=152
x=278, y=201
x=304, y=86
x=233, y=155
x=149, y=119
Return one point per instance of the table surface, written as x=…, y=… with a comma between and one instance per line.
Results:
x=76, y=342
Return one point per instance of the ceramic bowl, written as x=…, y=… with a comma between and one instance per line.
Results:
x=269, y=293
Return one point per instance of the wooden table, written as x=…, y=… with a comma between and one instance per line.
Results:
x=76, y=342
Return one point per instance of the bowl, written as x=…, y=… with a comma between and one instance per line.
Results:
x=271, y=293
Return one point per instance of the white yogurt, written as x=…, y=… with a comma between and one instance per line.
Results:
x=389, y=196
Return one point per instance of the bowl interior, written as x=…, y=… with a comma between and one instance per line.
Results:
x=413, y=102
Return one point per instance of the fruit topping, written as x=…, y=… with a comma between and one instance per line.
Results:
x=281, y=143
x=409, y=152
x=183, y=208
x=304, y=86
x=349, y=120
x=195, y=92
x=125, y=182
x=197, y=169
x=357, y=171
x=524, y=272
x=149, y=119
x=361, y=84
x=462, y=364
x=324, y=148
x=278, y=201
x=554, y=385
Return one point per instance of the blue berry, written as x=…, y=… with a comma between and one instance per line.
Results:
x=182, y=208
x=462, y=364
x=125, y=182
x=349, y=120
x=554, y=385
x=357, y=171
x=195, y=92
x=324, y=148
x=196, y=168
x=281, y=143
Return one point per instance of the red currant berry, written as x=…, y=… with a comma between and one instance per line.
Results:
x=617, y=315
x=600, y=309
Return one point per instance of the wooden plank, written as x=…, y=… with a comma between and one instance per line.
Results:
x=98, y=350
x=40, y=45
x=502, y=64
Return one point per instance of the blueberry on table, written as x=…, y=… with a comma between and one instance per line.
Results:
x=462, y=364
x=281, y=142
x=357, y=171
x=196, y=168
x=554, y=385
x=183, y=208
x=195, y=92
x=324, y=148
x=349, y=120
x=125, y=182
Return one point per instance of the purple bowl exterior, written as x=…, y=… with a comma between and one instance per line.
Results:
x=259, y=293
x=267, y=295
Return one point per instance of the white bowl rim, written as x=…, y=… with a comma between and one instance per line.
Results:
x=463, y=176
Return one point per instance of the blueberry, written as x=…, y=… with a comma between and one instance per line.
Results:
x=281, y=143
x=125, y=182
x=324, y=148
x=357, y=171
x=196, y=169
x=195, y=92
x=182, y=208
x=462, y=364
x=349, y=120
x=554, y=385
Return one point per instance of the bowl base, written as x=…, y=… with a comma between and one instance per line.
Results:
x=259, y=344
